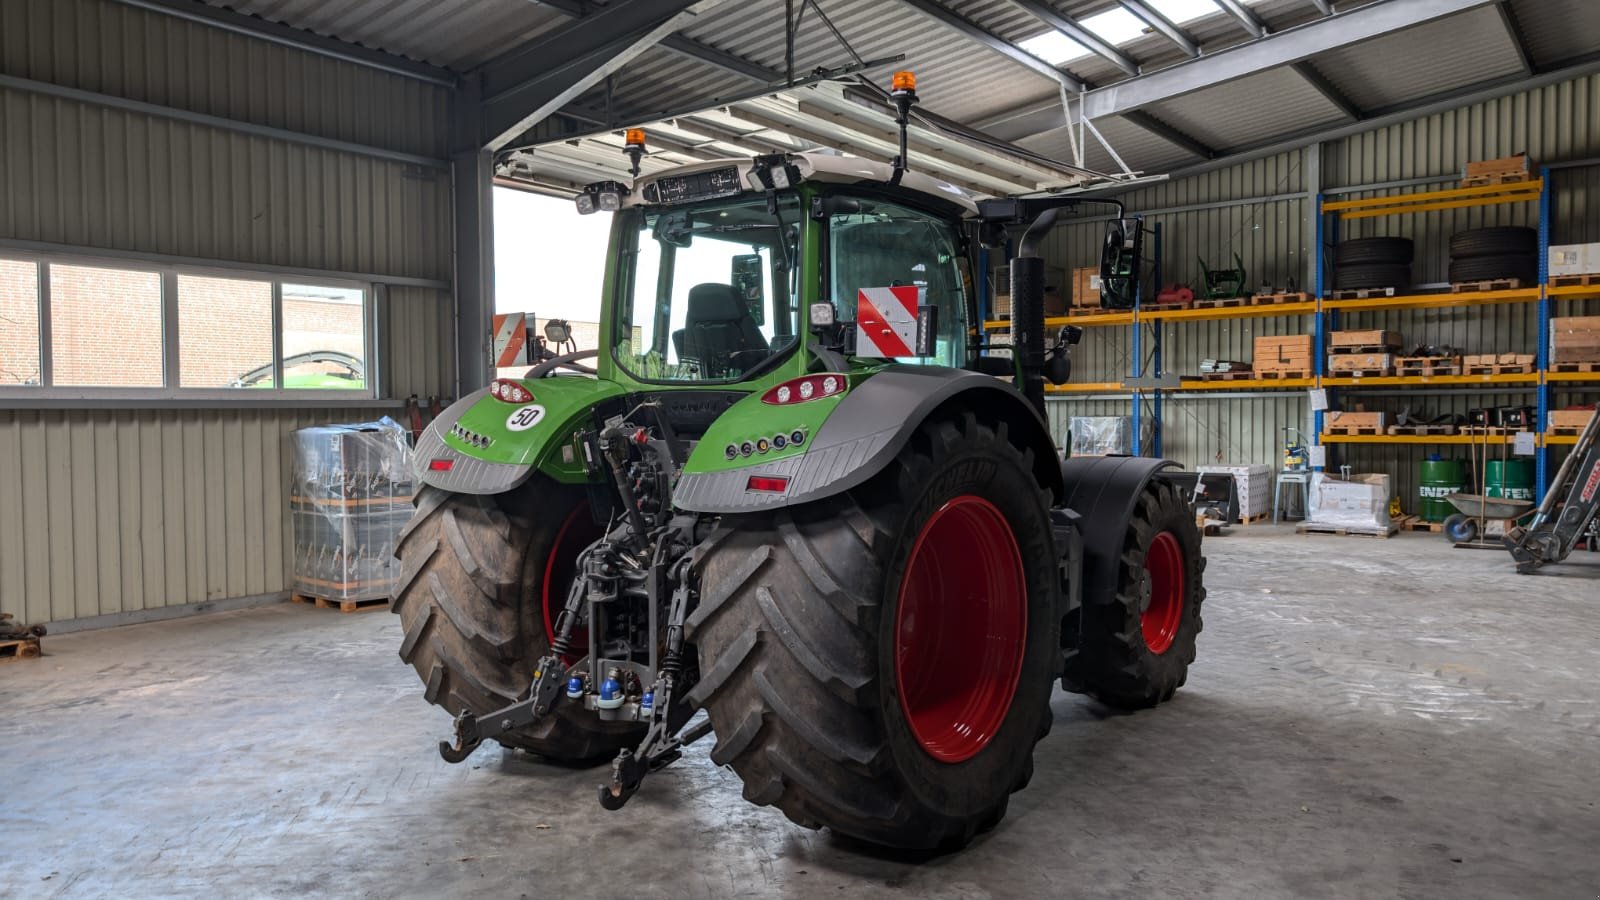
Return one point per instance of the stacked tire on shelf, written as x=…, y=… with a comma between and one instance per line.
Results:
x=1489, y=254
x=1375, y=262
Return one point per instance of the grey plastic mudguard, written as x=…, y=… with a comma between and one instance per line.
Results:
x=871, y=425
x=467, y=474
x=1103, y=491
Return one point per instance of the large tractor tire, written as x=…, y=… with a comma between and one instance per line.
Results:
x=881, y=662
x=1136, y=642
x=482, y=580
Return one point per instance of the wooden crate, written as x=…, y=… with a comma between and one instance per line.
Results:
x=1505, y=170
x=1377, y=341
x=1570, y=419
x=1340, y=418
x=1360, y=362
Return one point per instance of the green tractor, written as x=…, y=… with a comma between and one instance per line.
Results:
x=791, y=493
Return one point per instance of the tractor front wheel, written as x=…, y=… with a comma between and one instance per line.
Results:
x=1136, y=641
x=881, y=662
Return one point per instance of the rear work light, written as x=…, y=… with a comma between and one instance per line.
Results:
x=767, y=483
x=441, y=465
x=509, y=391
x=811, y=387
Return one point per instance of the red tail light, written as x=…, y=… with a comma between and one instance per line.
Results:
x=441, y=465
x=767, y=483
x=509, y=391
x=811, y=387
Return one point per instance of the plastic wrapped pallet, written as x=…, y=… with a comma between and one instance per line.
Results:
x=1253, y=482
x=1359, y=503
x=349, y=497
x=1105, y=435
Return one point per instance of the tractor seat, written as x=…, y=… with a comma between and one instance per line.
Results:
x=718, y=330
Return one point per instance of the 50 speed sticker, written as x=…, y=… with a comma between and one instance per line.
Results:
x=525, y=418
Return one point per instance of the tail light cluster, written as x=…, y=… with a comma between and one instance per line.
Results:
x=811, y=387
x=509, y=391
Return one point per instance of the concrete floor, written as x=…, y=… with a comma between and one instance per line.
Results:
x=1367, y=718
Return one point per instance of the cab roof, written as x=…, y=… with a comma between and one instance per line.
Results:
x=825, y=167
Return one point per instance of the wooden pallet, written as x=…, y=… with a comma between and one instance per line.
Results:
x=1222, y=302
x=1428, y=365
x=1567, y=430
x=1273, y=299
x=1087, y=311
x=1575, y=367
x=1361, y=293
x=17, y=649
x=1508, y=177
x=1354, y=349
x=1162, y=307
x=1492, y=284
x=1490, y=430
x=1592, y=278
x=1282, y=374
x=1362, y=373
x=1345, y=531
x=1353, y=430
x=1501, y=369
x=346, y=606
x=1422, y=429
x=1227, y=376
x=1263, y=518
x=1418, y=523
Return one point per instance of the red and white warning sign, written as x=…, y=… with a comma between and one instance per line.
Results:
x=886, y=321
x=510, y=339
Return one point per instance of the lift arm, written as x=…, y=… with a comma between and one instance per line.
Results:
x=1557, y=526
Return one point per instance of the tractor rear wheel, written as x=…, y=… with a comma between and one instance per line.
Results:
x=482, y=579
x=881, y=662
x=1136, y=642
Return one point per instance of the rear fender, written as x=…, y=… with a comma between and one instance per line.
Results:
x=480, y=445
x=1104, y=492
x=870, y=425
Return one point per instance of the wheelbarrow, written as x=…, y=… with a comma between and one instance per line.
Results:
x=1478, y=516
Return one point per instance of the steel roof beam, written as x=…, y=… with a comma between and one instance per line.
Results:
x=978, y=34
x=1157, y=22
x=1069, y=26
x=1283, y=48
x=1519, y=41
x=1169, y=134
x=1323, y=6
x=287, y=36
x=683, y=46
x=526, y=85
x=1326, y=88
x=1246, y=19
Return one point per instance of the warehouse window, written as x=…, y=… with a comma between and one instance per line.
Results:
x=19, y=322
x=117, y=331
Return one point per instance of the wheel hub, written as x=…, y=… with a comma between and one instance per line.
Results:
x=1162, y=592
x=960, y=628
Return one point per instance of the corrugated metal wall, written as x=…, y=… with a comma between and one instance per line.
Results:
x=117, y=511
x=1553, y=124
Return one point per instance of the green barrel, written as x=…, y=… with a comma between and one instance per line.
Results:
x=1511, y=479
x=1440, y=478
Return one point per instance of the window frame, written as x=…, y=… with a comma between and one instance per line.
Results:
x=48, y=393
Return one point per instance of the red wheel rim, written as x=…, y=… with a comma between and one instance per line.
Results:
x=960, y=629
x=560, y=567
x=1163, y=566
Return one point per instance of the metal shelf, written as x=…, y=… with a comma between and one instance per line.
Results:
x=1452, y=198
x=1574, y=292
x=1551, y=440
x=1526, y=378
x=1435, y=301
x=1417, y=438
x=1087, y=387
x=1555, y=377
x=1246, y=384
x=1089, y=321
x=1215, y=313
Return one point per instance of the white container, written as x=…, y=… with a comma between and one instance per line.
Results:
x=1574, y=259
x=1253, y=482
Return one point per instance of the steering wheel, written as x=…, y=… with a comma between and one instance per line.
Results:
x=565, y=361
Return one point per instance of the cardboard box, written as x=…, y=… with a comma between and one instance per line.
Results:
x=1339, y=340
x=1356, y=419
x=1570, y=418
x=1360, y=362
x=1574, y=259
x=1000, y=306
x=1284, y=353
x=1362, y=501
x=1086, y=286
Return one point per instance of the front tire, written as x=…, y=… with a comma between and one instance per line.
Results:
x=481, y=578
x=1136, y=642
x=881, y=662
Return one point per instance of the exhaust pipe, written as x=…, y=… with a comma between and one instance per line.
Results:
x=1027, y=308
